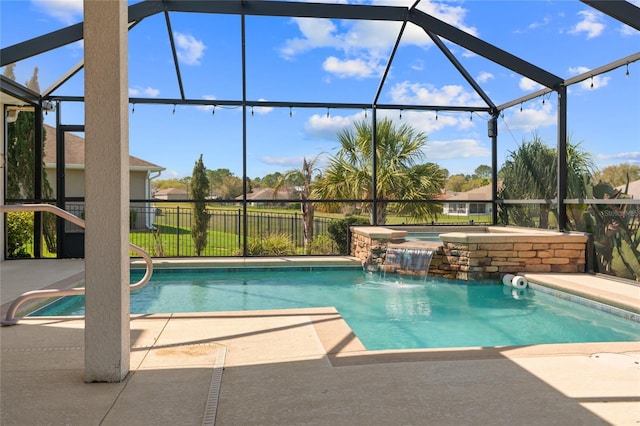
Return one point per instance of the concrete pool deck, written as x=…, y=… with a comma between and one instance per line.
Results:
x=305, y=366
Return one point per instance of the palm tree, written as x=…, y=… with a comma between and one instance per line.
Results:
x=530, y=172
x=400, y=173
x=305, y=176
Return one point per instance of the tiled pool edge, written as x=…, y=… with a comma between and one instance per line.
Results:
x=604, y=306
x=225, y=269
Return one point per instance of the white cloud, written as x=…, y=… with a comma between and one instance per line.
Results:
x=206, y=107
x=147, y=91
x=67, y=11
x=632, y=157
x=453, y=15
x=591, y=24
x=168, y=174
x=596, y=82
x=545, y=21
x=532, y=117
x=189, y=49
x=416, y=93
x=529, y=85
x=289, y=162
x=319, y=126
x=315, y=33
x=366, y=44
x=362, y=35
x=423, y=121
x=627, y=31
x=484, y=77
x=350, y=67
x=262, y=110
x=418, y=65
x=455, y=149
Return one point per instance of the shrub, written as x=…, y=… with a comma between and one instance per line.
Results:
x=277, y=244
x=19, y=233
x=339, y=231
x=133, y=218
x=322, y=244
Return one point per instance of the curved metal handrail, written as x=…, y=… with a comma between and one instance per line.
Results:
x=10, y=318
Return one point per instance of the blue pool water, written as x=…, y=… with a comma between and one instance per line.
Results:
x=384, y=313
x=423, y=236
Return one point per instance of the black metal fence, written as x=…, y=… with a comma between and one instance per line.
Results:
x=166, y=232
x=163, y=229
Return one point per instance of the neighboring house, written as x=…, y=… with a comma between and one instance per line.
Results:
x=171, y=194
x=633, y=191
x=268, y=194
x=460, y=204
x=141, y=173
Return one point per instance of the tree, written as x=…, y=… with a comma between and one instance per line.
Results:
x=618, y=175
x=230, y=188
x=483, y=171
x=270, y=180
x=530, y=172
x=199, y=190
x=216, y=178
x=302, y=178
x=400, y=174
x=169, y=183
x=21, y=165
x=456, y=183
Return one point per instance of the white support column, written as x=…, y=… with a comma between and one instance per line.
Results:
x=106, y=191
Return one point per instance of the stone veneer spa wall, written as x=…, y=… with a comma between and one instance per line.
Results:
x=483, y=253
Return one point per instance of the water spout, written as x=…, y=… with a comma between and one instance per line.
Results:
x=407, y=261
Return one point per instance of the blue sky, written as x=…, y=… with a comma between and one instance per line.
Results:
x=319, y=60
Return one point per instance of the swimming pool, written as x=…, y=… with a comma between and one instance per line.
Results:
x=383, y=313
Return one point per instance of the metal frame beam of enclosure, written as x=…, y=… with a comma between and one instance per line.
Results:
x=620, y=10
x=462, y=70
x=174, y=53
x=19, y=91
x=576, y=79
x=285, y=104
x=484, y=49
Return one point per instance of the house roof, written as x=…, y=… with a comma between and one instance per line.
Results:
x=74, y=153
x=174, y=191
x=267, y=194
x=634, y=189
x=481, y=193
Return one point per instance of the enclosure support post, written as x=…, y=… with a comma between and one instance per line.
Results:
x=562, y=157
x=107, y=333
x=374, y=166
x=60, y=181
x=244, y=136
x=492, y=132
x=37, y=184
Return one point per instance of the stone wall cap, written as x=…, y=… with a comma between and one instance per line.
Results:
x=378, y=232
x=516, y=237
